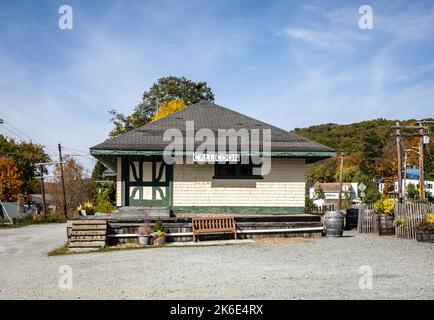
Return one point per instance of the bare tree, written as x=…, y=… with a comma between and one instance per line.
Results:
x=77, y=186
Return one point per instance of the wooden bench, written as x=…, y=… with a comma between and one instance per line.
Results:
x=213, y=225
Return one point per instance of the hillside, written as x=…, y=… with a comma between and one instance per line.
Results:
x=370, y=147
x=348, y=137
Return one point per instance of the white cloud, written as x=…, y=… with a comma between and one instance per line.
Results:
x=318, y=38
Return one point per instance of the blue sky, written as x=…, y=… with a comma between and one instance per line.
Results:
x=289, y=63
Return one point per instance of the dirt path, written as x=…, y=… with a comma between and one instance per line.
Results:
x=321, y=268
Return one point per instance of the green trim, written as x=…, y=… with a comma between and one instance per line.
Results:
x=122, y=183
x=296, y=154
x=156, y=184
x=239, y=209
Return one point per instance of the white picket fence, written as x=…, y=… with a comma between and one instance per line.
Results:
x=367, y=221
x=409, y=215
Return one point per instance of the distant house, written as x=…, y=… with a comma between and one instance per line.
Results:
x=11, y=211
x=21, y=208
x=331, y=192
x=429, y=186
x=144, y=179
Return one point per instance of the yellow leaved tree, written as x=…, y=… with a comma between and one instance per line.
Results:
x=10, y=180
x=167, y=108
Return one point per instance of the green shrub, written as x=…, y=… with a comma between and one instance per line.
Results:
x=103, y=202
x=159, y=234
x=400, y=222
x=104, y=206
x=158, y=226
x=412, y=193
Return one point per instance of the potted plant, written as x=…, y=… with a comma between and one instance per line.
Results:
x=86, y=209
x=160, y=234
x=384, y=210
x=145, y=233
x=425, y=229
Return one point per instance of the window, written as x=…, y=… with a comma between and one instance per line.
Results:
x=235, y=171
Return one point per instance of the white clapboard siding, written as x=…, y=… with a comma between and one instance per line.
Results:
x=283, y=186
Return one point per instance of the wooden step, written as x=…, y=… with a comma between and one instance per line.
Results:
x=87, y=234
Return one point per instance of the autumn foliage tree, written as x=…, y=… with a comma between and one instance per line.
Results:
x=25, y=156
x=10, y=180
x=77, y=186
x=163, y=91
x=168, y=108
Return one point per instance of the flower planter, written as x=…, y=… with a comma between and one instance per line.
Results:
x=385, y=225
x=424, y=236
x=160, y=241
x=144, y=240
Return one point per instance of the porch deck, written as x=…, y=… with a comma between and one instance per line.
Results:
x=179, y=228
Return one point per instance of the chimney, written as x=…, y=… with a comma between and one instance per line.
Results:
x=21, y=203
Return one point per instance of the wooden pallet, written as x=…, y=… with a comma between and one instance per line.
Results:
x=87, y=235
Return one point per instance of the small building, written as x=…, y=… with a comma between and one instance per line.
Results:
x=215, y=183
x=330, y=192
x=13, y=211
x=429, y=186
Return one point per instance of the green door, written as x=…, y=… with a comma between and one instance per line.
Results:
x=148, y=182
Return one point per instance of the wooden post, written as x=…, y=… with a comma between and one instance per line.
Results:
x=44, y=205
x=398, y=148
x=404, y=190
x=421, y=163
x=65, y=212
x=341, y=174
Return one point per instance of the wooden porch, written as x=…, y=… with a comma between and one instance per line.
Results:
x=179, y=229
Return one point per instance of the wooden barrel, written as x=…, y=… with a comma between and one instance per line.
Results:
x=334, y=223
x=351, y=219
x=385, y=225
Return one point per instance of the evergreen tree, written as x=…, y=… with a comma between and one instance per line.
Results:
x=412, y=193
x=371, y=151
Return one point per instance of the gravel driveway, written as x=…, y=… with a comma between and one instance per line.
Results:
x=320, y=269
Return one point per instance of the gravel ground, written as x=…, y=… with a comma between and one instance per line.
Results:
x=320, y=269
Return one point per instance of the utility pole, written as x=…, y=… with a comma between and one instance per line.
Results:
x=421, y=162
x=398, y=148
x=421, y=127
x=341, y=174
x=404, y=190
x=65, y=211
x=44, y=204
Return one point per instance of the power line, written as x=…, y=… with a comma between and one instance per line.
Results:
x=21, y=132
x=75, y=150
x=15, y=134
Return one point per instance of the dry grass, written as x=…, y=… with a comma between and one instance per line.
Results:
x=127, y=245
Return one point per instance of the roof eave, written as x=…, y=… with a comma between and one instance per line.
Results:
x=274, y=154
